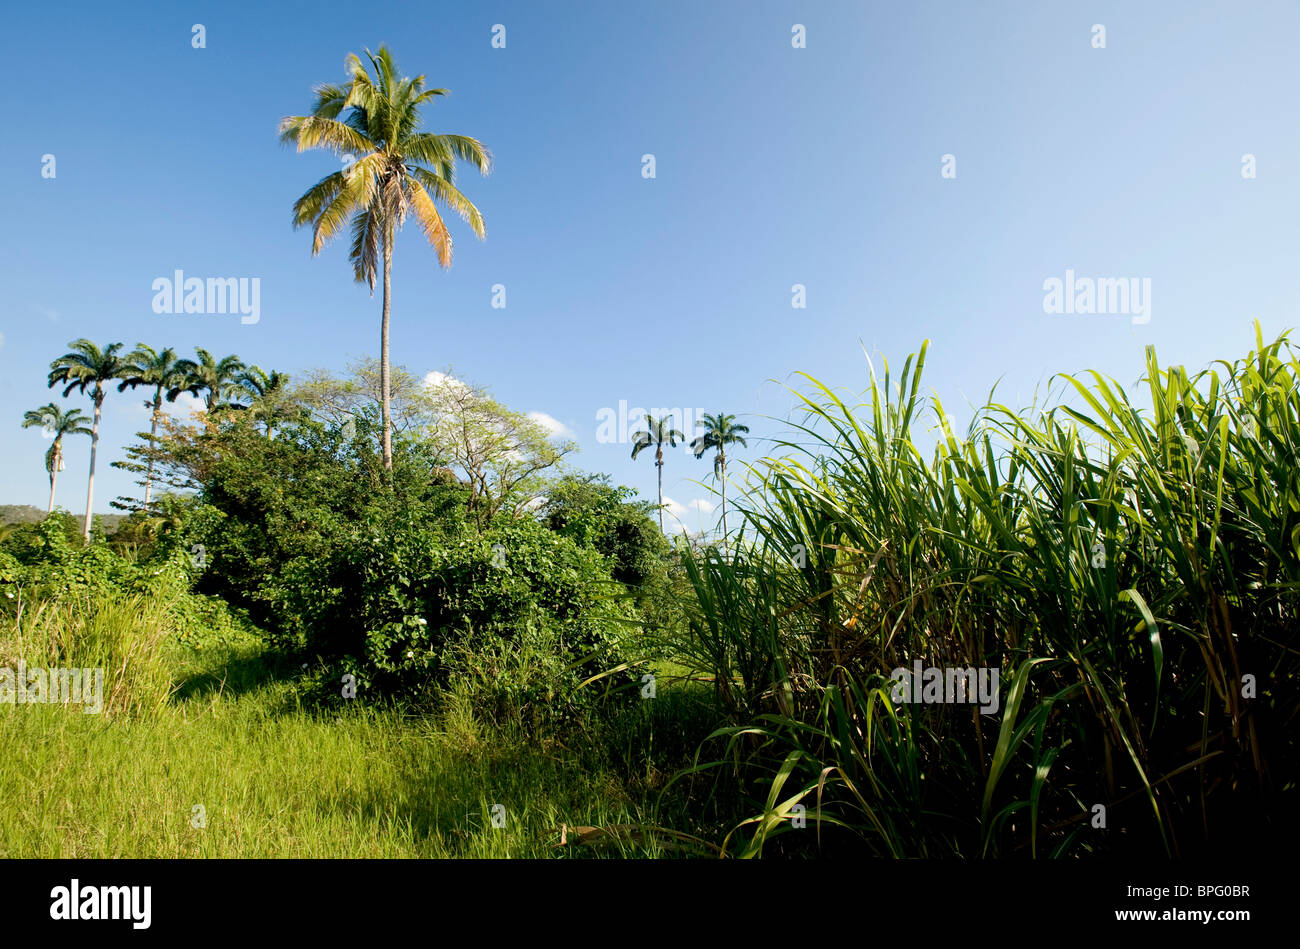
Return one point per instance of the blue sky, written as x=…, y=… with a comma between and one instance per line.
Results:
x=775, y=166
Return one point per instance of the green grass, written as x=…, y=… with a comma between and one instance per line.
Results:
x=277, y=778
x=125, y=636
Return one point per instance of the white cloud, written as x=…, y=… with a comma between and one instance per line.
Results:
x=140, y=404
x=437, y=380
x=184, y=405
x=554, y=427
x=674, y=509
x=694, y=516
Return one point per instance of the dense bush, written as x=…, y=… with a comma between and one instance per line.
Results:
x=385, y=579
x=47, y=562
x=65, y=605
x=41, y=561
x=596, y=514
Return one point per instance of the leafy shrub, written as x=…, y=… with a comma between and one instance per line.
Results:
x=389, y=582
x=594, y=513
x=46, y=564
x=520, y=612
x=46, y=568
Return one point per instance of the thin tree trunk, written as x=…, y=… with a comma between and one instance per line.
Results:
x=153, y=432
x=659, y=463
x=55, y=457
x=94, y=445
x=722, y=456
x=383, y=357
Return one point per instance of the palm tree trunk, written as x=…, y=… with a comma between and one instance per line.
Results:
x=659, y=462
x=153, y=432
x=55, y=452
x=94, y=445
x=722, y=473
x=383, y=356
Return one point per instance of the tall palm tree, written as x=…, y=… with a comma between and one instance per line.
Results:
x=656, y=433
x=396, y=169
x=87, y=366
x=218, y=379
x=720, y=431
x=163, y=371
x=56, y=424
x=268, y=395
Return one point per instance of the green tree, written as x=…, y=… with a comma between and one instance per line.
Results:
x=720, y=431
x=610, y=519
x=55, y=423
x=394, y=169
x=87, y=366
x=270, y=401
x=219, y=380
x=656, y=433
x=162, y=370
x=337, y=399
x=502, y=453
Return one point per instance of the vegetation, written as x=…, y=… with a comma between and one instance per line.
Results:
x=470, y=607
x=720, y=431
x=55, y=423
x=656, y=432
x=216, y=379
x=87, y=366
x=165, y=373
x=1133, y=574
x=395, y=169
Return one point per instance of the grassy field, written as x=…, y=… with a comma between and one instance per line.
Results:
x=276, y=779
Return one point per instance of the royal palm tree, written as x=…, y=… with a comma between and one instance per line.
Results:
x=217, y=379
x=720, y=431
x=394, y=169
x=163, y=371
x=56, y=423
x=656, y=433
x=88, y=367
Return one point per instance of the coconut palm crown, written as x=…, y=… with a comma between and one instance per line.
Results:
x=392, y=168
x=217, y=380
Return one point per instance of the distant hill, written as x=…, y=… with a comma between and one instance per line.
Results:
x=27, y=514
x=20, y=514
